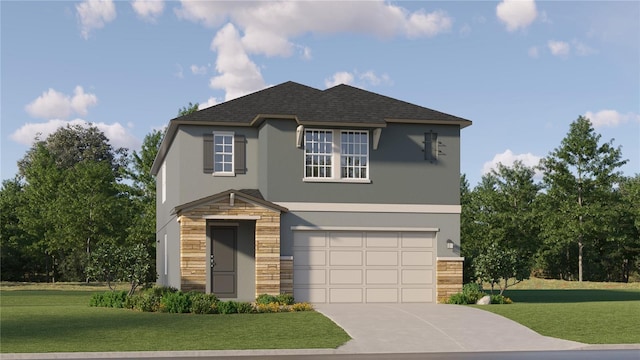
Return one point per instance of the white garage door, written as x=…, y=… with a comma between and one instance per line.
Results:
x=363, y=266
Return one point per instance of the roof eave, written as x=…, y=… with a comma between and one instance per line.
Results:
x=463, y=123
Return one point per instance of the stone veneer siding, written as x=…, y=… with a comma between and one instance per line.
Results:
x=193, y=244
x=448, y=278
x=286, y=275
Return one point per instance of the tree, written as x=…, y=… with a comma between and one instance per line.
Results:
x=72, y=197
x=579, y=178
x=499, y=214
x=497, y=265
x=185, y=110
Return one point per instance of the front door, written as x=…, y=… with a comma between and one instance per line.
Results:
x=223, y=262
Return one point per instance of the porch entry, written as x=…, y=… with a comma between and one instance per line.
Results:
x=223, y=261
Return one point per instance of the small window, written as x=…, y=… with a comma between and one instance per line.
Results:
x=334, y=155
x=223, y=153
x=163, y=180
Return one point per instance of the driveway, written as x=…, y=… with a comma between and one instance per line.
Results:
x=399, y=328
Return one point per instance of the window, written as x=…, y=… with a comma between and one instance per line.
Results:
x=336, y=155
x=163, y=180
x=223, y=153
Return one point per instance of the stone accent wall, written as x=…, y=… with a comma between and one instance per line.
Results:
x=193, y=244
x=286, y=275
x=449, y=278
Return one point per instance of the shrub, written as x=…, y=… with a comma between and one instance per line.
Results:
x=175, y=302
x=160, y=291
x=303, y=306
x=147, y=302
x=500, y=299
x=114, y=299
x=272, y=307
x=96, y=299
x=204, y=303
x=457, y=299
x=266, y=299
x=285, y=299
x=472, y=292
x=228, y=307
x=245, y=308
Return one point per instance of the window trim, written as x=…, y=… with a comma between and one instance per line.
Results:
x=233, y=169
x=336, y=158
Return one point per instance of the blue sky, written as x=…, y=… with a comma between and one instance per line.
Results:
x=522, y=71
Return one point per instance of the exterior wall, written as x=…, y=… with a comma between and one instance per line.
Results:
x=448, y=278
x=194, y=245
x=399, y=173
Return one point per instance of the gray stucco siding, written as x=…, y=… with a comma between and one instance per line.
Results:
x=448, y=226
x=399, y=173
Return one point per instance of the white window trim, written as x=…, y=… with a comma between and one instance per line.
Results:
x=166, y=256
x=233, y=153
x=336, y=160
x=163, y=179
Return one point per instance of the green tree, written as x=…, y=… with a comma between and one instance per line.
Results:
x=497, y=265
x=185, y=110
x=579, y=178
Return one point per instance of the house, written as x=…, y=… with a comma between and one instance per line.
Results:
x=336, y=195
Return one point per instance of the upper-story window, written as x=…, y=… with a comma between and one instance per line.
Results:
x=223, y=153
x=336, y=155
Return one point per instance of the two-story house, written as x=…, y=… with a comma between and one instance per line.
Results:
x=336, y=195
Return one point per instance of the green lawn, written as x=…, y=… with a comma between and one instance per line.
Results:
x=591, y=315
x=62, y=321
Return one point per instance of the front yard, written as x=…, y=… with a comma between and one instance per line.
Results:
x=62, y=321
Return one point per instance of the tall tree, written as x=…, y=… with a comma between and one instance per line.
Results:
x=579, y=177
x=185, y=110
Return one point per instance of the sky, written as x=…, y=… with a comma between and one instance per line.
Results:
x=521, y=70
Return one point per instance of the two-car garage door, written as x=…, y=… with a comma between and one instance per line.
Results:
x=364, y=266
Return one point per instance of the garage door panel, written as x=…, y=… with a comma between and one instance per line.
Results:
x=364, y=266
x=382, y=258
x=382, y=295
x=382, y=277
x=417, y=277
x=310, y=257
x=417, y=258
x=345, y=240
x=342, y=258
x=416, y=295
x=417, y=240
x=314, y=295
x=383, y=239
x=311, y=239
x=351, y=295
x=349, y=277
x=310, y=277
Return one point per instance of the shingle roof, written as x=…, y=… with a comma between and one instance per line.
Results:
x=249, y=195
x=340, y=104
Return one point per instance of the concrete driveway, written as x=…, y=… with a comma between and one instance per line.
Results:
x=398, y=328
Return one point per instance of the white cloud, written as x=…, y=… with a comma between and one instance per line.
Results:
x=118, y=135
x=342, y=77
x=582, y=49
x=517, y=14
x=238, y=74
x=148, y=10
x=54, y=104
x=507, y=158
x=610, y=118
x=209, y=103
x=533, y=52
x=559, y=48
x=465, y=30
x=268, y=28
x=179, y=72
x=94, y=14
x=198, y=70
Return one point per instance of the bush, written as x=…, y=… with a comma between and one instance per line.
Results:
x=160, y=291
x=266, y=299
x=457, y=299
x=272, y=307
x=245, y=308
x=500, y=299
x=228, y=307
x=285, y=299
x=175, y=302
x=470, y=294
x=114, y=299
x=204, y=303
x=301, y=307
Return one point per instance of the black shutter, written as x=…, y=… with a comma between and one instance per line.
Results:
x=207, y=153
x=239, y=156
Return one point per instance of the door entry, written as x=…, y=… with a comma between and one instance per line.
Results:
x=223, y=261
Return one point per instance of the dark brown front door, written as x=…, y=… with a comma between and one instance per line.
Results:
x=223, y=262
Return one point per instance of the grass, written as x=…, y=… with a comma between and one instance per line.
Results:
x=592, y=313
x=62, y=321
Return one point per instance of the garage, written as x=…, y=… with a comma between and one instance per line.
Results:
x=374, y=266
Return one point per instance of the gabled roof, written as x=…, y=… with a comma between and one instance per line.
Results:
x=341, y=105
x=248, y=195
